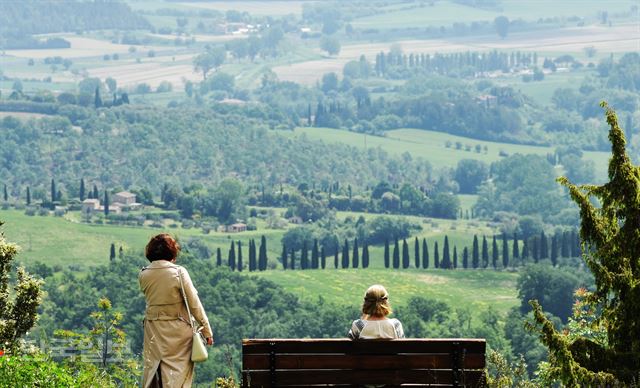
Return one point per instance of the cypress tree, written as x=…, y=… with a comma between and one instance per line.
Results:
x=6, y=194
x=436, y=255
x=516, y=249
x=565, y=250
x=96, y=193
x=97, y=100
x=262, y=258
x=455, y=257
x=323, y=258
x=239, y=256
x=386, y=253
x=292, y=259
x=82, y=189
x=365, y=255
x=405, y=254
x=252, y=256
x=544, y=248
x=315, y=254
x=446, y=258
x=232, y=256
x=356, y=255
x=485, y=252
x=465, y=258
x=345, y=254
x=28, y=196
x=425, y=254
x=304, y=256
x=416, y=251
x=335, y=256
x=494, y=253
x=554, y=250
x=525, y=251
x=106, y=203
x=396, y=255
x=218, y=257
x=283, y=257
x=576, y=251
x=475, y=253
x=53, y=190
x=535, y=249
x=505, y=251
x=112, y=252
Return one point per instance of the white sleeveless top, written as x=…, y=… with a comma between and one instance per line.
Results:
x=385, y=328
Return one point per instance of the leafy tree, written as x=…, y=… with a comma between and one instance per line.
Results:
x=209, y=60
x=329, y=82
x=470, y=174
x=501, y=23
x=609, y=236
x=330, y=44
x=386, y=253
x=19, y=315
x=97, y=100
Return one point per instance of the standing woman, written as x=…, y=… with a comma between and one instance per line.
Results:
x=167, y=331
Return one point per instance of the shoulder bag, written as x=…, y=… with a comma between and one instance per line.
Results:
x=198, y=348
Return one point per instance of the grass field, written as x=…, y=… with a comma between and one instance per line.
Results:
x=430, y=145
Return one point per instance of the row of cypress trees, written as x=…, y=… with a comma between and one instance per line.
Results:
x=257, y=256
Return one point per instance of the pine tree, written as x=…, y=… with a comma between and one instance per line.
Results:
x=405, y=254
x=396, y=255
x=82, y=189
x=465, y=258
x=455, y=257
x=106, y=203
x=516, y=249
x=494, y=253
x=96, y=193
x=218, y=257
x=28, y=196
x=356, y=255
x=475, y=254
x=386, y=253
x=365, y=255
x=283, y=256
x=505, y=251
x=112, y=252
x=610, y=232
x=315, y=254
x=436, y=255
x=425, y=254
x=345, y=254
x=232, y=256
x=544, y=248
x=240, y=256
x=416, y=251
x=323, y=258
x=554, y=250
x=292, y=259
x=53, y=190
x=262, y=257
x=485, y=252
x=304, y=256
x=252, y=256
x=446, y=258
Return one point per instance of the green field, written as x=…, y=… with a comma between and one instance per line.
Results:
x=431, y=146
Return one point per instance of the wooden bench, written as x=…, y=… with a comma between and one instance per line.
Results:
x=343, y=362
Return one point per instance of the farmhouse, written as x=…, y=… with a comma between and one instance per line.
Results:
x=125, y=198
x=233, y=228
x=90, y=205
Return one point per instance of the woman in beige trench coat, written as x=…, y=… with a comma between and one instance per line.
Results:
x=167, y=333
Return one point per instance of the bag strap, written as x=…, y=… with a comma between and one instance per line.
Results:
x=184, y=296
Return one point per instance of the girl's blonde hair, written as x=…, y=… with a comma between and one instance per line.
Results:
x=376, y=302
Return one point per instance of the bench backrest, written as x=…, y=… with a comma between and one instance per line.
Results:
x=308, y=362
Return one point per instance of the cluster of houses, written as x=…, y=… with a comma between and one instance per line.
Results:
x=123, y=200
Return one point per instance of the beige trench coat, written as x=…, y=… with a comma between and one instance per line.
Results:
x=167, y=333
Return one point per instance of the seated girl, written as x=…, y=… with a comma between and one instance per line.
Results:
x=374, y=322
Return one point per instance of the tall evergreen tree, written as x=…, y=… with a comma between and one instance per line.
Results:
x=218, y=257
x=82, y=189
x=576, y=250
x=535, y=249
x=436, y=255
x=283, y=256
x=96, y=193
x=28, y=196
x=505, y=251
x=356, y=255
x=345, y=254
x=365, y=255
x=465, y=258
x=292, y=259
x=97, y=100
x=455, y=257
x=6, y=194
x=335, y=256
x=262, y=256
x=544, y=248
x=232, y=256
x=405, y=254
x=565, y=250
x=112, y=252
x=304, y=256
x=475, y=253
x=396, y=255
x=252, y=256
x=53, y=190
x=315, y=254
x=525, y=251
x=106, y=203
x=386, y=253
x=446, y=258
x=554, y=250
x=323, y=258
x=516, y=249
x=239, y=256
x=494, y=253
x=425, y=254
x=416, y=251
x=485, y=252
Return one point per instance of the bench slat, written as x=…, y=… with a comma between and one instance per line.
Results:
x=425, y=346
x=306, y=377
x=367, y=362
